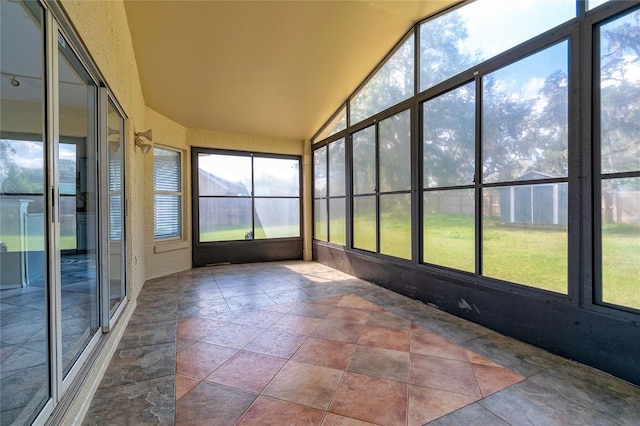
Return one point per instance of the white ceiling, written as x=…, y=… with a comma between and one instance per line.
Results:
x=272, y=68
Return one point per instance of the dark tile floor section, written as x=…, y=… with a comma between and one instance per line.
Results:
x=293, y=343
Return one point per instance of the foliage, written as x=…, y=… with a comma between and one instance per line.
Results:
x=620, y=94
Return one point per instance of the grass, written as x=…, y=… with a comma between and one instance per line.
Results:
x=621, y=266
x=234, y=234
x=527, y=256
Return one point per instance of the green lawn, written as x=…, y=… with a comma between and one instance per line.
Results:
x=621, y=265
x=534, y=257
x=528, y=256
x=235, y=234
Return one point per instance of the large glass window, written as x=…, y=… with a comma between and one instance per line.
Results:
x=167, y=193
x=448, y=178
x=476, y=31
x=391, y=84
x=524, y=139
x=528, y=151
x=364, y=179
x=329, y=191
x=381, y=187
x=619, y=198
x=247, y=196
x=320, y=223
x=337, y=186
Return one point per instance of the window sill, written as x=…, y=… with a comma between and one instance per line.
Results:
x=170, y=246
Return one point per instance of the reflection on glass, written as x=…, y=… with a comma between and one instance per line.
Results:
x=395, y=225
x=449, y=138
x=337, y=124
x=336, y=168
x=224, y=175
x=620, y=94
x=364, y=161
x=395, y=152
x=621, y=242
x=320, y=220
x=115, y=154
x=475, y=32
x=276, y=177
x=449, y=229
x=391, y=84
x=337, y=221
x=77, y=104
x=524, y=235
x=364, y=223
x=525, y=118
x=67, y=184
x=225, y=219
x=277, y=217
x=24, y=346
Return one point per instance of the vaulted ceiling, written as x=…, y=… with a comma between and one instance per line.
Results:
x=272, y=68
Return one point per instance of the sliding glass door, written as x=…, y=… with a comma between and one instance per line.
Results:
x=25, y=369
x=77, y=174
x=62, y=241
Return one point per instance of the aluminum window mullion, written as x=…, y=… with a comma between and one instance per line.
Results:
x=377, y=182
x=103, y=219
x=477, y=179
x=53, y=202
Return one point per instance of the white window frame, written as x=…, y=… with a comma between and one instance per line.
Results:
x=173, y=242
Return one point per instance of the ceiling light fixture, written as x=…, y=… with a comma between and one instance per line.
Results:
x=144, y=147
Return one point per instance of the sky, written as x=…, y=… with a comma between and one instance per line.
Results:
x=29, y=153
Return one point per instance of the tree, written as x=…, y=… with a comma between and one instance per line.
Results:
x=620, y=94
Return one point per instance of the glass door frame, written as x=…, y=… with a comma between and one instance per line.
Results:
x=60, y=385
x=109, y=316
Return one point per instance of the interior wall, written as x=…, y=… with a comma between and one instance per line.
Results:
x=234, y=141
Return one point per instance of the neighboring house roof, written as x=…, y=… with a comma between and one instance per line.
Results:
x=223, y=186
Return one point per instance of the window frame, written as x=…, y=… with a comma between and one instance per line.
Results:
x=197, y=196
x=593, y=298
x=167, y=243
x=374, y=122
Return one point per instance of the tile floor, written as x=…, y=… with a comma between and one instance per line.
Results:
x=298, y=343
